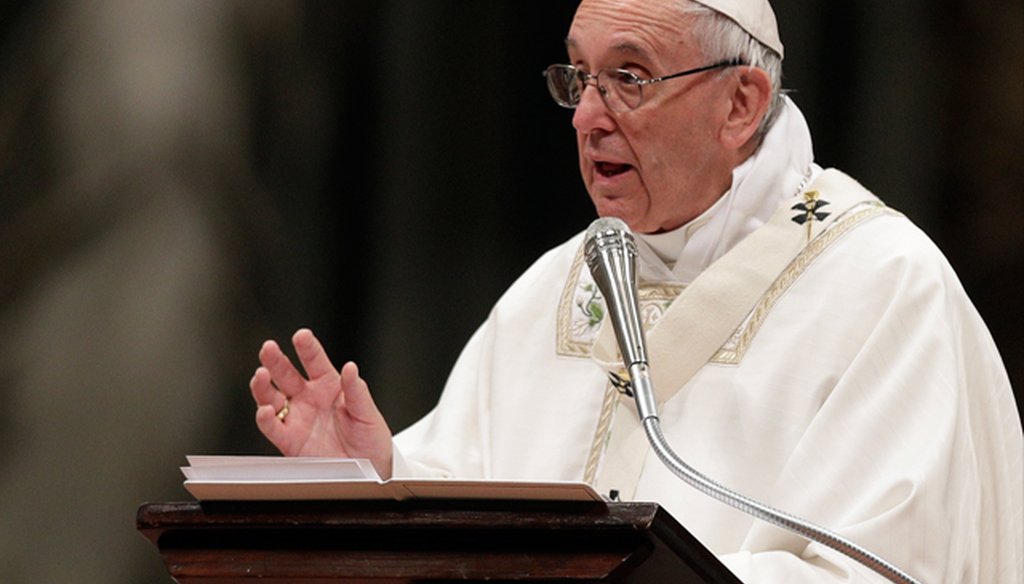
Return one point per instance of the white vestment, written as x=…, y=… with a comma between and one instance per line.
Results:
x=865, y=395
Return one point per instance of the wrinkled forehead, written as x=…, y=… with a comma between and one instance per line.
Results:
x=650, y=28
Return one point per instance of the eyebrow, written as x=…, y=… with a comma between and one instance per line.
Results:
x=623, y=47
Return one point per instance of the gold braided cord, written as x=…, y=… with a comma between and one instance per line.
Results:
x=601, y=433
x=565, y=344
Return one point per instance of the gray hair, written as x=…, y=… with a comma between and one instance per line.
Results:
x=721, y=39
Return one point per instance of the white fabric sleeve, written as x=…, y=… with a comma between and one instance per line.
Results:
x=915, y=454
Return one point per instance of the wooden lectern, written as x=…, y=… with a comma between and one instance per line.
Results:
x=313, y=542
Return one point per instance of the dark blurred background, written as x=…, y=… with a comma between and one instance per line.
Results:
x=181, y=179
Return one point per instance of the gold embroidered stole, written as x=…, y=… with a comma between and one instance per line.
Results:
x=715, y=318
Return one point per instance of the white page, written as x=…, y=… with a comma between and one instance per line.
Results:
x=344, y=490
x=264, y=478
x=278, y=468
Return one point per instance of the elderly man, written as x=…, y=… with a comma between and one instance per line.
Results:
x=810, y=348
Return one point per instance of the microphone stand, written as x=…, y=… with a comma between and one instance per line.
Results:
x=611, y=255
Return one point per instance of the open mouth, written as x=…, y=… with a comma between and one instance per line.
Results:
x=610, y=169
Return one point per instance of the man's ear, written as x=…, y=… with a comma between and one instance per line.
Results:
x=751, y=96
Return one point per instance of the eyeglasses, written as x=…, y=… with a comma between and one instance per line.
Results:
x=621, y=90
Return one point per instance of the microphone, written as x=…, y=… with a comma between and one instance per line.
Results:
x=610, y=251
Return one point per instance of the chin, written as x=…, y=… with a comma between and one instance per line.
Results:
x=618, y=214
x=629, y=202
x=635, y=222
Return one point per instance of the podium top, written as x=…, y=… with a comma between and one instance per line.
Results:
x=423, y=540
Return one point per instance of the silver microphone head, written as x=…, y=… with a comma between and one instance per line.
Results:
x=610, y=252
x=608, y=224
x=608, y=234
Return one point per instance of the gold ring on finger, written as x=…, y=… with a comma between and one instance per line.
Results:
x=283, y=412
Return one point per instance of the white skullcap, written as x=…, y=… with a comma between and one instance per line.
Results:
x=754, y=16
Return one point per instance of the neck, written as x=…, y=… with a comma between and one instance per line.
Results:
x=714, y=187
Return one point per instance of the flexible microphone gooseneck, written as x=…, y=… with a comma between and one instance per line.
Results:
x=611, y=256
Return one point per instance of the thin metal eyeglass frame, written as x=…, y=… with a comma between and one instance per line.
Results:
x=633, y=78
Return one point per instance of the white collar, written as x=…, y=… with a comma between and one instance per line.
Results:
x=774, y=173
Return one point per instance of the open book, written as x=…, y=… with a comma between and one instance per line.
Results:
x=266, y=478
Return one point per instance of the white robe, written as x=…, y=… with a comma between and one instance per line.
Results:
x=871, y=401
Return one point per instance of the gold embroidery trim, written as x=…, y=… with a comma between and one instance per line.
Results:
x=565, y=344
x=601, y=433
x=732, y=352
x=649, y=297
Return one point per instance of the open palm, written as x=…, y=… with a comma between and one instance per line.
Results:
x=329, y=412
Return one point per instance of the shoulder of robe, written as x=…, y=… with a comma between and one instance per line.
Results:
x=891, y=245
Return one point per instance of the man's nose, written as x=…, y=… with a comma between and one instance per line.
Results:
x=591, y=112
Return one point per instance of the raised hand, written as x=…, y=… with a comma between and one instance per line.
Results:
x=322, y=413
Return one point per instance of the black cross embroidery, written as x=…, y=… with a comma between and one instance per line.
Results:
x=620, y=383
x=810, y=211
